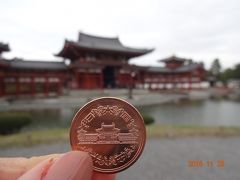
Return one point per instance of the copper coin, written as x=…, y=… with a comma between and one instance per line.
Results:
x=112, y=131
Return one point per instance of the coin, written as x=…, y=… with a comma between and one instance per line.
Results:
x=112, y=131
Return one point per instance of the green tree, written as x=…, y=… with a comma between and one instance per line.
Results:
x=231, y=73
x=236, y=73
x=215, y=69
x=226, y=75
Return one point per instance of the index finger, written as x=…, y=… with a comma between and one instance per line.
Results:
x=12, y=168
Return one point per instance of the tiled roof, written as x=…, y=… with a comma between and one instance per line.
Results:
x=95, y=43
x=172, y=58
x=187, y=68
x=105, y=43
x=158, y=69
x=4, y=47
x=37, y=65
x=3, y=63
x=181, y=69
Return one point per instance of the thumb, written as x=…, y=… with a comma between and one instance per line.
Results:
x=74, y=165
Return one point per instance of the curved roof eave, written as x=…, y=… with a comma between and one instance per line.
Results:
x=131, y=52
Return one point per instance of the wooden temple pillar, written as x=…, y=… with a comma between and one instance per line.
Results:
x=199, y=84
x=101, y=80
x=33, y=86
x=168, y=82
x=174, y=82
x=59, y=87
x=46, y=86
x=131, y=77
x=88, y=80
x=141, y=80
x=180, y=83
x=2, y=92
x=189, y=82
x=163, y=85
x=18, y=90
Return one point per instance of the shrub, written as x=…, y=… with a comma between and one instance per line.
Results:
x=148, y=119
x=11, y=122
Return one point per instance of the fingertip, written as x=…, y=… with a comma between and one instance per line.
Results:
x=74, y=165
x=37, y=171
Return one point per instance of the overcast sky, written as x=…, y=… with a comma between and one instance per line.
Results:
x=201, y=30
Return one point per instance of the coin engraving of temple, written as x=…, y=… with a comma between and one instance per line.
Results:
x=107, y=134
x=95, y=63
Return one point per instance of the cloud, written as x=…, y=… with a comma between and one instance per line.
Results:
x=202, y=30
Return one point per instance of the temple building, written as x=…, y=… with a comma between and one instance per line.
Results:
x=21, y=77
x=107, y=134
x=178, y=73
x=100, y=62
x=94, y=63
x=3, y=64
x=3, y=48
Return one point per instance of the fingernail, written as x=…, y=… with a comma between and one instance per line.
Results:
x=74, y=165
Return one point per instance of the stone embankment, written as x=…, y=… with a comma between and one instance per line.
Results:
x=76, y=99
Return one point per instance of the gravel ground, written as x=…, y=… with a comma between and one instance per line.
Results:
x=167, y=159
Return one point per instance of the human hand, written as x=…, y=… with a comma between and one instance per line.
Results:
x=73, y=165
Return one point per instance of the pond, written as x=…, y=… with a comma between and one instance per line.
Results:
x=201, y=112
x=204, y=112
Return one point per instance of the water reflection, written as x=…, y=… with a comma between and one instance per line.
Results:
x=201, y=112
x=50, y=118
x=204, y=112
